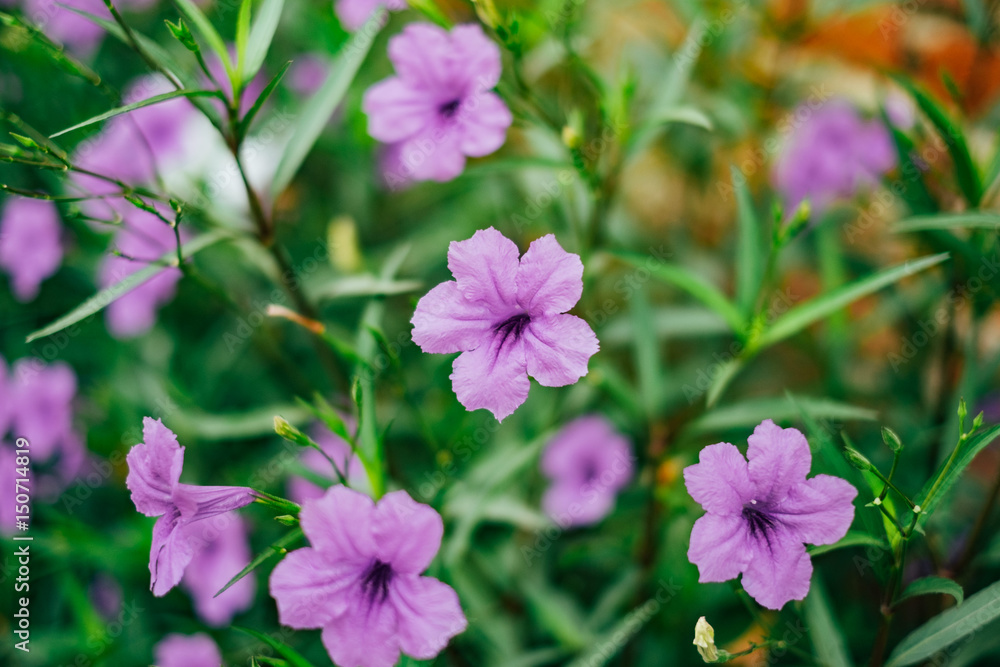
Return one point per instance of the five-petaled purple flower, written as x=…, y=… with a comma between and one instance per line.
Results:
x=360, y=580
x=760, y=515
x=354, y=13
x=197, y=650
x=588, y=462
x=30, y=246
x=507, y=319
x=440, y=107
x=184, y=509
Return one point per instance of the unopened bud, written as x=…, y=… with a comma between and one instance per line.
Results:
x=857, y=459
x=704, y=639
x=891, y=440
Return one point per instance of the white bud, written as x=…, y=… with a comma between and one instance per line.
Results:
x=704, y=639
x=877, y=501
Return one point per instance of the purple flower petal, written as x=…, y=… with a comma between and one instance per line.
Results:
x=779, y=571
x=364, y=639
x=549, y=279
x=396, y=111
x=429, y=615
x=779, y=459
x=720, y=547
x=170, y=553
x=339, y=525
x=407, y=534
x=486, y=268
x=218, y=561
x=492, y=377
x=720, y=481
x=30, y=246
x=557, y=349
x=820, y=510
x=187, y=651
x=154, y=468
x=354, y=13
x=311, y=589
x=445, y=321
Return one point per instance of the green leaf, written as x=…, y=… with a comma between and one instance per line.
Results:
x=729, y=370
x=965, y=220
x=751, y=412
x=114, y=292
x=293, y=657
x=261, y=36
x=155, y=99
x=247, y=120
x=205, y=28
x=827, y=638
x=851, y=539
x=646, y=350
x=965, y=170
x=948, y=627
x=279, y=547
x=694, y=285
x=931, y=586
x=685, y=115
x=937, y=487
x=800, y=317
x=321, y=106
x=364, y=286
x=749, y=268
x=252, y=423
x=242, y=34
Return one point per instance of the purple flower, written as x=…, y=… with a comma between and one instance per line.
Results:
x=360, y=580
x=42, y=400
x=30, y=249
x=187, y=651
x=506, y=318
x=222, y=557
x=760, y=516
x=190, y=516
x=588, y=463
x=308, y=72
x=65, y=26
x=145, y=238
x=301, y=489
x=439, y=108
x=832, y=155
x=354, y=13
x=105, y=594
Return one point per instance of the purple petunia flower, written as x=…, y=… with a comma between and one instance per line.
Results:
x=42, y=405
x=301, y=489
x=439, y=107
x=189, y=516
x=225, y=553
x=360, y=580
x=506, y=318
x=760, y=516
x=832, y=155
x=354, y=13
x=30, y=247
x=588, y=463
x=178, y=650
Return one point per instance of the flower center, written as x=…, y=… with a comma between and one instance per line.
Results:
x=375, y=584
x=449, y=109
x=589, y=472
x=760, y=522
x=512, y=326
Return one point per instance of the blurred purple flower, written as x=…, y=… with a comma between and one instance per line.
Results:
x=440, y=107
x=184, y=510
x=307, y=73
x=360, y=580
x=354, y=13
x=589, y=463
x=145, y=238
x=30, y=248
x=178, y=650
x=106, y=595
x=760, y=515
x=832, y=155
x=41, y=397
x=221, y=559
x=506, y=318
x=78, y=33
x=301, y=489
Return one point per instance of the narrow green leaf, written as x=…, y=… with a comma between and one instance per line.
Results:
x=208, y=32
x=948, y=476
x=751, y=412
x=965, y=170
x=646, y=350
x=321, y=106
x=800, y=317
x=114, y=292
x=685, y=115
x=694, y=285
x=149, y=101
x=749, y=268
x=363, y=286
x=242, y=34
x=827, y=638
x=948, y=627
x=261, y=36
x=278, y=547
x=932, y=586
x=965, y=220
x=247, y=120
x=729, y=370
x=851, y=539
x=293, y=657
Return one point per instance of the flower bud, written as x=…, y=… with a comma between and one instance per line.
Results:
x=857, y=459
x=290, y=433
x=891, y=440
x=704, y=639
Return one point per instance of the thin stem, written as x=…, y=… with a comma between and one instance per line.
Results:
x=134, y=43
